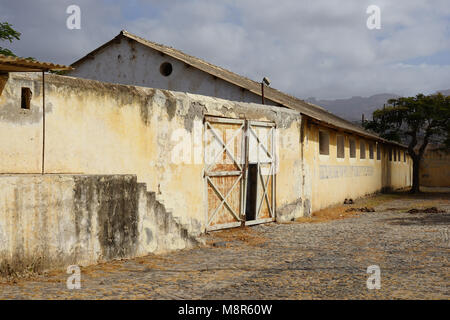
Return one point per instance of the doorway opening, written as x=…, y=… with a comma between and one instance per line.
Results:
x=252, y=191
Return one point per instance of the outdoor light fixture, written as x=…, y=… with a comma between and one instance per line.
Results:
x=264, y=81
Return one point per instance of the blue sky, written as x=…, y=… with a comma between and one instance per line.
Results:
x=308, y=48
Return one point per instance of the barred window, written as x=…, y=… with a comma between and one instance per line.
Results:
x=340, y=146
x=324, y=143
x=352, y=146
x=362, y=149
x=371, y=150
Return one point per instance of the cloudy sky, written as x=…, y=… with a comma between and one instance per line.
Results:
x=317, y=48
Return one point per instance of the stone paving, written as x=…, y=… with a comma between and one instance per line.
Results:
x=326, y=260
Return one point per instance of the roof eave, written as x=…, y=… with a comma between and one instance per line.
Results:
x=300, y=106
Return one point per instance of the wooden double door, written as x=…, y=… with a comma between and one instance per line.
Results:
x=240, y=164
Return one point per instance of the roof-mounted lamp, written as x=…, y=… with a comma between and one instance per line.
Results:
x=265, y=81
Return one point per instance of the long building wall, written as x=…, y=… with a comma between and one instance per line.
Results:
x=95, y=131
x=330, y=180
x=100, y=128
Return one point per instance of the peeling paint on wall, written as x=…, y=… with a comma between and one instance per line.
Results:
x=103, y=128
x=333, y=172
x=52, y=221
x=290, y=211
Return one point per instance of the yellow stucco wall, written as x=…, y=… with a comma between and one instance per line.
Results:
x=94, y=128
x=20, y=129
x=330, y=179
x=435, y=169
x=99, y=128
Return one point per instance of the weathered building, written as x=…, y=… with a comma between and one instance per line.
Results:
x=132, y=60
x=128, y=59
x=94, y=170
x=98, y=134
x=435, y=168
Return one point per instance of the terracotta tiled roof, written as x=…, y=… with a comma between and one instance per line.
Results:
x=15, y=64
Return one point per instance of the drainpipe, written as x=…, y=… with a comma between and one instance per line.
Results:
x=264, y=81
x=262, y=92
x=43, y=121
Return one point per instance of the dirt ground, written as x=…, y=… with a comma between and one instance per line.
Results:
x=323, y=257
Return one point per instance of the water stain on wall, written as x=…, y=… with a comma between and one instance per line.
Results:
x=116, y=204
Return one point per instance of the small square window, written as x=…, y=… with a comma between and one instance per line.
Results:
x=340, y=146
x=352, y=147
x=362, y=150
x=25, y=101
x=324, y=143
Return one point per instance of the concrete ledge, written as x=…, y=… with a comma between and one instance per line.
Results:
x=52, y=221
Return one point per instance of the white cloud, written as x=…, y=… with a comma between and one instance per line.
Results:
x=307, y=48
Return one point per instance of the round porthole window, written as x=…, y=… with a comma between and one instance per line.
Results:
x=165, y=69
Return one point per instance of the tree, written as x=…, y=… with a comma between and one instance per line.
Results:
x=7, y=33
x=415, y=121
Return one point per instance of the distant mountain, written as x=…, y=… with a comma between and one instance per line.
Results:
x=353, y=108
x=445, y=92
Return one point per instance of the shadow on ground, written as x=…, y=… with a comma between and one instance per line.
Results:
x=421, y=219
x=420, y=201
x=423, y=195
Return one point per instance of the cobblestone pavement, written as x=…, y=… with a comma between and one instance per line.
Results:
x=326, y=260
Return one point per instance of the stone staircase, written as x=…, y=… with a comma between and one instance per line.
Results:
x=161, y=229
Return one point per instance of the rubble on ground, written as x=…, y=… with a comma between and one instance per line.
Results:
x=363, y=209
x=426, y=210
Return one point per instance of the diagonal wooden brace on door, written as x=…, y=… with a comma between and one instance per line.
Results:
x=265, y=195
x=224, y=146
x=260, y=144
x=223, y=199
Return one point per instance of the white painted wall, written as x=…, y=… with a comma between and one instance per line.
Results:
x=133, y=63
